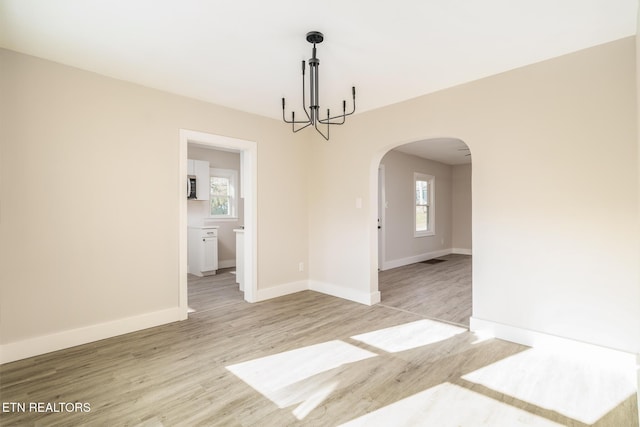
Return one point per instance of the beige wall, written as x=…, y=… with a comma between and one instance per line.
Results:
x=555, y=193
x=80, y=245
x=401, y=246
x=198, y=209
x=461, y=208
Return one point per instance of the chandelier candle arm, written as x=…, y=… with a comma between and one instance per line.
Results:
x=344, y=109
x=313, y=114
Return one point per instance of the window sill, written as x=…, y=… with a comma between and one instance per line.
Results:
x=223, y=219
x=423, y=233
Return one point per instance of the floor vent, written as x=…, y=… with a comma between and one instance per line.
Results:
x=433, y=261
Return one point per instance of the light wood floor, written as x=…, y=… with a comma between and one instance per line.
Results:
x=437, y=291
x=213, y=292
x=302, y=359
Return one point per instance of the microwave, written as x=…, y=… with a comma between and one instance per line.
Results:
x=191, y=187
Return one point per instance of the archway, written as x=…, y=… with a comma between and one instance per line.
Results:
x=424, y=228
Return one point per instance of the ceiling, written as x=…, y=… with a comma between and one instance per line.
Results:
x=450, y=151
x=246, y=54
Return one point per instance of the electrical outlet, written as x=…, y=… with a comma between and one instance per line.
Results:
x=301, y=266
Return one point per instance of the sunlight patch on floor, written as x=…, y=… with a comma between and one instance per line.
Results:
x=449, y=405
x=581, y=386
x=314, y=400
x=482, y=336
x=306, y=374
x=409, y=335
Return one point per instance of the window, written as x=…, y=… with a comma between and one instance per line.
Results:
x=222, y=193
x=424, y=217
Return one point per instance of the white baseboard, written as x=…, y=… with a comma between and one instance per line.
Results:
x=461, y=251
x=226, y=263
x=367, y=298
x=70, y=338
x=415, y=258
x=539, y=339
x=281, y=290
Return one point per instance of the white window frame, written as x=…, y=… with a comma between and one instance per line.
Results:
x=431, y=191
x=232, y=176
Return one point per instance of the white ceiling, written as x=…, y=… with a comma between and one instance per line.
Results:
x=246, y=54
x=450, y=151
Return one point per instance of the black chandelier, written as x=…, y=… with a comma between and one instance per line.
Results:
x=313, y=113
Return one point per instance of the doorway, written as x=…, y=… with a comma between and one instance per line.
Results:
x=248, y=166
x=424, y=239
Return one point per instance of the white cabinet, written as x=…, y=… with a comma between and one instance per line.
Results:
x=203, y=250
x=200, y=169
x=210, y=254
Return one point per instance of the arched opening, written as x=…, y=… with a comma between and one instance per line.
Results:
x=424, y=229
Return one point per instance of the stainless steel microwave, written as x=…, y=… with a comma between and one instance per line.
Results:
x=191, y=187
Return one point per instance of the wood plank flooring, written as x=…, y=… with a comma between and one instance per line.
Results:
x=437, y=291
x=311, y=360
x=213, y=292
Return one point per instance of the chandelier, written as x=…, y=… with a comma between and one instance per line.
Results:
x=313, y=113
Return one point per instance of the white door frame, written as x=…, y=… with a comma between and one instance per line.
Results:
x=248, y=155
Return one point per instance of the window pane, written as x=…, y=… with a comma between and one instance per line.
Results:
x=421, y=193
x=422, y=218
x=219, y=186
x=220, y=205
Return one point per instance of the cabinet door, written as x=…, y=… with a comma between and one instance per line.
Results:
x=202, y=179
x=210, y=251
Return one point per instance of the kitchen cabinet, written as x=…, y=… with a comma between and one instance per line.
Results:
x=202, y=251
x=200, y=169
